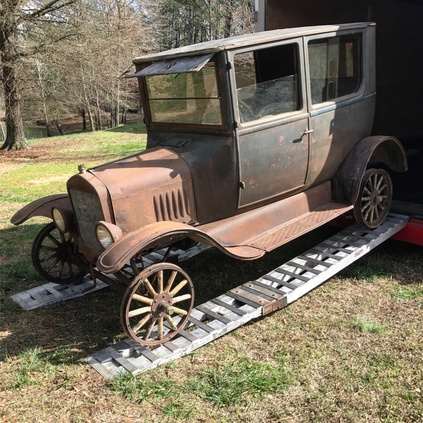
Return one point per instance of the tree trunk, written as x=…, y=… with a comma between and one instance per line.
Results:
x=2, y=132
x=99, y=121
x=91, y=118
x=43, y=97
x=87, y=103
x=228, y=18
x=59, y=127
x=84, y=120
x=15, y=138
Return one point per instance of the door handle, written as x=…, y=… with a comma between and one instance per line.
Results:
x=308, y=131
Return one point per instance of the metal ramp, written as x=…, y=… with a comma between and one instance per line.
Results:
x=271, y=292
x=50, y=293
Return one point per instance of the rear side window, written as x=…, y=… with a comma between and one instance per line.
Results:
x=335, y=67
x=267, y=82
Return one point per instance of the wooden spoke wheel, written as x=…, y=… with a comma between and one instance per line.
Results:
x=375, y=198
x=53, y=256
x=157, y=304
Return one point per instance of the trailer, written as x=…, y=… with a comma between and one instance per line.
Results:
x=399, y=83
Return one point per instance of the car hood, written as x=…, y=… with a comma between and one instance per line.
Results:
x=151, y=186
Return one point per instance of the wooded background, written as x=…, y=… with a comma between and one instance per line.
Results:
x=64, y=57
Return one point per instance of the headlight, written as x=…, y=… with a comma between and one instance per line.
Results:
x=107, y=233
x=61, y=219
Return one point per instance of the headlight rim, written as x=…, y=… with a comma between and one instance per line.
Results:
x=64, y=225
x=114, y=233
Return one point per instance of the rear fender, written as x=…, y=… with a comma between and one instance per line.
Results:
x=41, y=207
x=369, y=152
x=159, y=235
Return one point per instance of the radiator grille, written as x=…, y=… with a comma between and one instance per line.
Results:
x=88, y=212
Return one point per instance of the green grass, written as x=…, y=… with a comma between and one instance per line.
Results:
x=408, y=293
x=43, y=172
x=233, y=383
x=239, y=381
x=29, y=365
x=366, y=325
x=138, y=389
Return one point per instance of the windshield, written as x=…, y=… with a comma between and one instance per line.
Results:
x=189, y=98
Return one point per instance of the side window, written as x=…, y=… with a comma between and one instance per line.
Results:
x=335, y=67
x=267, y=82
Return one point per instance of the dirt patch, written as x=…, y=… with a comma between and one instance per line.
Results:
x=42, y=151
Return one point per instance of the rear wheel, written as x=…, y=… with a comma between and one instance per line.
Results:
x=53, y=254
x=375, y=198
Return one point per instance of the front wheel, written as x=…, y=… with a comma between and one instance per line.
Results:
x=53, y=255
x=375, y=198
x=157, y=304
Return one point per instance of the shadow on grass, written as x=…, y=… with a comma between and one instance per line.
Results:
x=84, y=325
x=392, y=259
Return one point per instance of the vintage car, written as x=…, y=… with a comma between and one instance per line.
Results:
x=252, y=141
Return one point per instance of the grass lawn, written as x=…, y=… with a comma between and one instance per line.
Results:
x=350, y=351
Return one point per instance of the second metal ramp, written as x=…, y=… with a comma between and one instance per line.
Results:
x=271, y=292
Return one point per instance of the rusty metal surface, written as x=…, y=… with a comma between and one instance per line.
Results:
x=212, y=161
x=91, y=203
x=273, y=161
x=40, y=207
x=163, y=234
x=148, y=187
x=248, y=226
x=384, y=149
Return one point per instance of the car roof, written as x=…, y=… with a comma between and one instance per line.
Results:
x=214, y=46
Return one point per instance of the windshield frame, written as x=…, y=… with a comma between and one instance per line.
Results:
x=149, y=112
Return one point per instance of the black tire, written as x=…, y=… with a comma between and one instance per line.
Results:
x=374, y=199
x=53, y=256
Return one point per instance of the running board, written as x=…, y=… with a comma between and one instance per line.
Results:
x=273, y=291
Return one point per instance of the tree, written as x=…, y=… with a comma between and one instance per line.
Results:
x=81, y=75
x=193, y=21
x=21, y=36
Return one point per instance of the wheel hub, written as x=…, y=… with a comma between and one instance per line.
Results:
x=162, y=305
x=374, y=198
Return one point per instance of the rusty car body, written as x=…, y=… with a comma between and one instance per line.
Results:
x=252, y=141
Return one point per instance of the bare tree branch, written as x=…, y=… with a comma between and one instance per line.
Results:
x=51, y=7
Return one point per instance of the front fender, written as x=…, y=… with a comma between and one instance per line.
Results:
x=150, y=236
x=163, y=234
x=378, y=149
x=41, y=207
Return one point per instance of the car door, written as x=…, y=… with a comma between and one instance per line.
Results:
x=272, y=121
x=341, y=109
